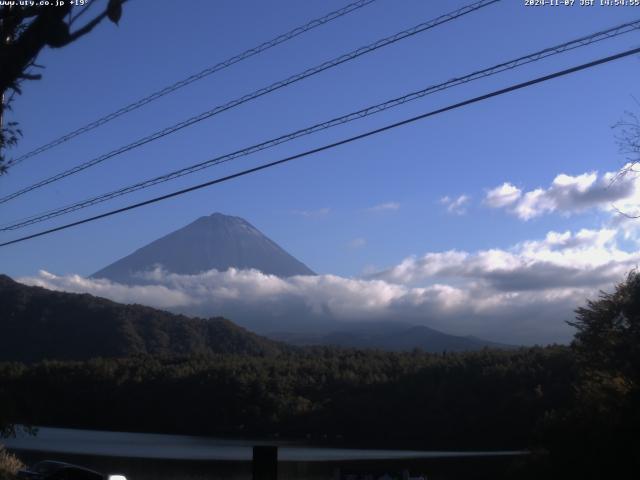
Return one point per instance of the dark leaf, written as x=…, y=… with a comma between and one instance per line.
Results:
x=114, y=10
x=58, y=34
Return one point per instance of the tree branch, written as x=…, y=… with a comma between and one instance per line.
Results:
x=84, y=30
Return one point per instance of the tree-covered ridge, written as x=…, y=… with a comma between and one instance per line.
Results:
x=38, y=324
x=490, y=399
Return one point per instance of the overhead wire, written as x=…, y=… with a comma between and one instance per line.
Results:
x=194, y=78
x=256, y=94
x=354, y=138
x=368, y=111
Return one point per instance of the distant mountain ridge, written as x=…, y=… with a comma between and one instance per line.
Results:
x=391, y=336
x=214, y=242
x=38, y=324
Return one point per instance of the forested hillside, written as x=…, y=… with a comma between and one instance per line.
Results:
x=490, y=399
x=38, y=324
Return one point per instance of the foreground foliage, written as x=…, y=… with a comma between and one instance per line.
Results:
x=9, y=464
x=599, y=433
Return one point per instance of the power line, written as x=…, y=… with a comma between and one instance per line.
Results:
x=259, y=93
x=195, y=77
x=361, y=136
x=520, y=61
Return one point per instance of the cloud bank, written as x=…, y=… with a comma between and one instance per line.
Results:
x=520, y=295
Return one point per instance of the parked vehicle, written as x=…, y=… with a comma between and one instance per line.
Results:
x=50, y=470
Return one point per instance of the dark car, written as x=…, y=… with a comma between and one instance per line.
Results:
x=50, y=470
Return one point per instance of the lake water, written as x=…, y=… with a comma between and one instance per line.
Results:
x=143, y=456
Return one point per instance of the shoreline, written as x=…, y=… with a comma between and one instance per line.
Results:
x=154, y=446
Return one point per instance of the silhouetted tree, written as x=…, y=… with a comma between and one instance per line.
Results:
x=607, y=340
x=628, y=139
x=24, y=32
x=598, y=435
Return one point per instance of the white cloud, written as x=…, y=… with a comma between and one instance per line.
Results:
x=456, y=206
x=569, y=194
x=502, y=196
x=588, y=258
x=357, y=243
x=522, y=294
x=320, y=212
x=160, y=296
x=385, y=207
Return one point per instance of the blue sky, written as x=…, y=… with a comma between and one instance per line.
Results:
x=322, y=209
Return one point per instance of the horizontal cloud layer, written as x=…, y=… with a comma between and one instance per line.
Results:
x=587, y=258
x=569, y=194
x=523, y=294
